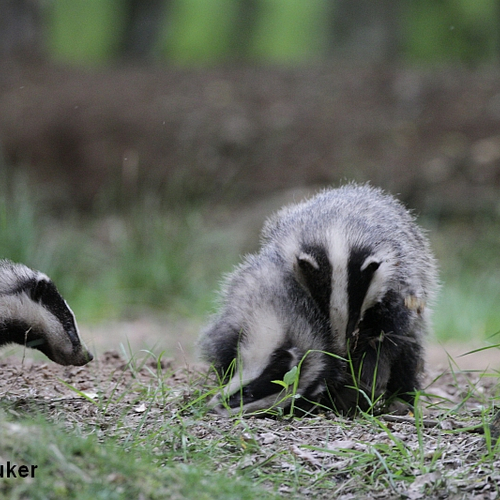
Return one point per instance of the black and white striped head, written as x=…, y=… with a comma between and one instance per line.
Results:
x=33, y=313
x=349, y=248
x=345, y=279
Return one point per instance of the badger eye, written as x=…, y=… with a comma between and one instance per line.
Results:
x=243, y=393
x=239, y=397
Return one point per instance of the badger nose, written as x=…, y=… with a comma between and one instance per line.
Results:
x=81, y=358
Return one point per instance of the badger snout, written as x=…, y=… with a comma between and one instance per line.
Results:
x=79, y=358
x=66, y=355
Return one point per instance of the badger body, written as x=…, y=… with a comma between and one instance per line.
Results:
x=267, y=325
x=33, y=313
x=343, y=283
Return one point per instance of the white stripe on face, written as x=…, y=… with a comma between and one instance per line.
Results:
x=338, y=253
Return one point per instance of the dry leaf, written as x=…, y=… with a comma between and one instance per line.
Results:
x=140, y=408
x=306, y=455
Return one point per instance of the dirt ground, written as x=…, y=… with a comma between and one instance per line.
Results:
x=33, y=383
x=27, y=373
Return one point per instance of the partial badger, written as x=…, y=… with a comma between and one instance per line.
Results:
x=347, y=275
x=33, y=313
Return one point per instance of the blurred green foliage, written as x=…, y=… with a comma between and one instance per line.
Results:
x=287, y=31
x=199, y=31
x=85, y=31
x=469, y=258
x=117, y=263
x=451, y=30
x=290, y=31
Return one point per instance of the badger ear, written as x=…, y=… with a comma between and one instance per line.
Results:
x=306, y=269
x=370, y=265
x=307, y=260
x=32, y=287
x=305, y=265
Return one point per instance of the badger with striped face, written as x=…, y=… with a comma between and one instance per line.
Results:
x=347, y=275
x=34, y=314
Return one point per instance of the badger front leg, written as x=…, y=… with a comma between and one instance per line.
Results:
x=387, y=356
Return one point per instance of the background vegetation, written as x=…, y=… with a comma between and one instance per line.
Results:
x=120, y=260
x=291, y=31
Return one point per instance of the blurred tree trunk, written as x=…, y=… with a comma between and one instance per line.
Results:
x=245, y=20
x=21, y=30
x=144, y=20
x=366, y=30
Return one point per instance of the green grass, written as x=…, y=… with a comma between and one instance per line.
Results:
x=372, y=455
x=469, y=258
x=149, y=437
x=81, y=467
x=153, y=257
x=175, y=449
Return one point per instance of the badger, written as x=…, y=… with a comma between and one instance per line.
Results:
x=34, y=314
x=266, y=327
x=341, y=289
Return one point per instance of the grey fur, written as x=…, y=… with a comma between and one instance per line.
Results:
x=33, y=313
x=347, y=272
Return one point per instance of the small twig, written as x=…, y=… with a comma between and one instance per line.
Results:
x=426, y=422
x=24, y=354
x=432, y=424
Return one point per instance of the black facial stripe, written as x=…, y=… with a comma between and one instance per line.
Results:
x=280, y=363
x=358, y=282
x=46, y=293
x=318, y=281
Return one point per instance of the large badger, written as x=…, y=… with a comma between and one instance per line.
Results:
x=33, y=313
x=342, y=285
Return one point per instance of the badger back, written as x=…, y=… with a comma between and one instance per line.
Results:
x=351, y=246
x=265, y=327
x=33, y=313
